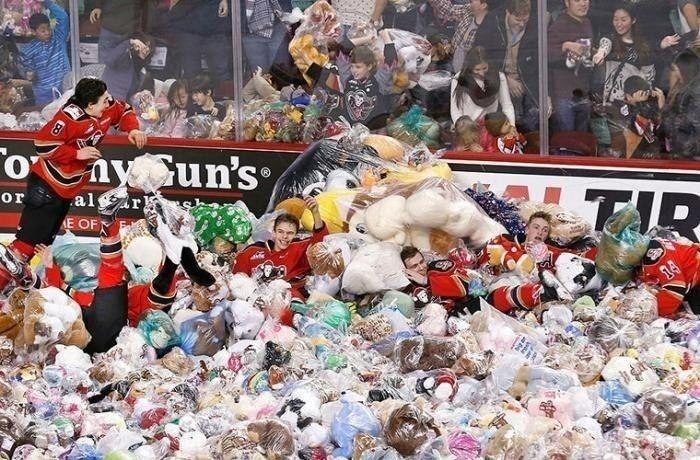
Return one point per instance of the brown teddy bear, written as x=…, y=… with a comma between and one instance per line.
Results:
x=273, y=437
x=50, y=316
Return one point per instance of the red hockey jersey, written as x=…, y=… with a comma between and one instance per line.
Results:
x=71, y=129
x=672, y=267
x=513, y=248
x=445, y=283
x=290, y=264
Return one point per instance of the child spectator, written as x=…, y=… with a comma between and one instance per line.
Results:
x=125, y=66
x=203, y=100
x=173, y=124
x=45, y=58
x=506, y=138
x=640, y=114
x=479, y=88
x=367, y=84
x=467, y=135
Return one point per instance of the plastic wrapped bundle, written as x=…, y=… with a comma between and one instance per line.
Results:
x=307, y=175
x=408, y=428
x=661, y=409
x=424, y=353
x=325, y=259
x=79, y=263
x=612, y=333
x=273, y=437
x=30, y=121
x=352, y=419
x=333, y=312
x=230, y=222
x=148, y=173
x=621, y=247
x=202, y=127
x=499, y=209
x=158, y=329
x=205, y=334
x=413, y=128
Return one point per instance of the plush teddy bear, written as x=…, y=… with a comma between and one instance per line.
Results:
x=408, y=428
x=273, y=437
x=376, y=267
x=244, y=320
x=427, y=353
x=12, y=315
x=50, y=316
x=577, y=274
x=148, y=173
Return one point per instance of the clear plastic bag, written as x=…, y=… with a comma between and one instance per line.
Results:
x=205, y=334
x=148, y=173
x=426, y=353
x=414, y=128
x=409, y=428
x=158, y=329
x=273, y=437
x=621, y=247
x=78, y=262
x=30, y=121
x=202, y=127
x=352, y=418
x=413, y=49
x=612, y=333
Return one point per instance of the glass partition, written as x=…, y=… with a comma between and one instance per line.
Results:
x=35, y=60
x=622, y=79
x=553, y=77
x=172, y=60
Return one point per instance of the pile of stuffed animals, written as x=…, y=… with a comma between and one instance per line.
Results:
x=365, y=369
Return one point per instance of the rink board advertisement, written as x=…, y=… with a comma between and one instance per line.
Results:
x=665, y=197
x=197, y=174
x=212, y=174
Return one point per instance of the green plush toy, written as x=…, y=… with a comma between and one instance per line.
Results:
x=229, y=222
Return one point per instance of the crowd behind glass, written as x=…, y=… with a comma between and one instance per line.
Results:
x=623, y=77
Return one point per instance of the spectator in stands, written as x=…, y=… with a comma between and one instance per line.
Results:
x=263, y=33
x=681, y=119
x=125, y=71
x=468, y=18
x=359, y=12
x=176, y=113
x=45, y=59
x=626, y=54
x=479, y=88
x=569, y=40
x=203, y=99
x=688, y=15
x=509, y=37
x=118, y=19
x=204, y=29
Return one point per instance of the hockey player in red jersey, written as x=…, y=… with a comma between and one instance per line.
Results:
x=283, y=257
x=113, y=303
x=67, y=151
x=526, y=253
x=673, y=270
x=441, y=281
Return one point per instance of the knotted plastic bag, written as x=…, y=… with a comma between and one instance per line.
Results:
x=229, y=221
x=413, y=128
x=158, y=329
x=621, y=247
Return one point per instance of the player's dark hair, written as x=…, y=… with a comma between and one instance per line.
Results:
x=408, y=252
x=288, y=218
x=88, y=91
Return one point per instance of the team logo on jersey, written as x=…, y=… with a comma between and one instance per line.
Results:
x=73, y=111
x=360, y=105
x=258, y=255
x=269, y=271
x=654, y=254
x=443, y=265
